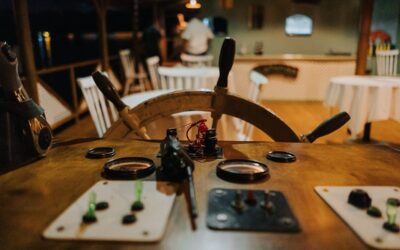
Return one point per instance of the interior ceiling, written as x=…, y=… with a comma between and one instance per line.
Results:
x=307, y=1
x=87, y=5
x=128, y=3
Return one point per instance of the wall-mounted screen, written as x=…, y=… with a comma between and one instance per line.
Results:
x=298, y=25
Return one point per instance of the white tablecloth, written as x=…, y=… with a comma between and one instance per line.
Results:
x=135, y=99
x=365, y=98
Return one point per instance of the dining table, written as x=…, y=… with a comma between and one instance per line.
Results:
x=366, y=98
x=32, y=196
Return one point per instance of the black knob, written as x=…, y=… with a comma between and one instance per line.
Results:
x=210, y=142
x=359, y=198
x=211, y=133
x=45, y=138
x=172, y=132
x=7, y=52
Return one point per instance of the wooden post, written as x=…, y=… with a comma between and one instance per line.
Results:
x=101, y=9
x=367, y=7
x=135, y=29
x=75, y=106
x=363, y=40
x=158, y=13
x=26, y=48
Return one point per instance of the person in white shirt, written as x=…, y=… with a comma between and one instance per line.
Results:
x=196, y=37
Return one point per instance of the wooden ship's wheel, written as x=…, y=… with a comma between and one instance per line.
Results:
x=218, y=102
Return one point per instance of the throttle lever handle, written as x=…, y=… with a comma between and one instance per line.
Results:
x=226, y=58
x=111, y=94
x=108, y=90
x=327, y=127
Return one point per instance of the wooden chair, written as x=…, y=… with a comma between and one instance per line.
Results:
x=257, y=81
x=152, y=65
x=99, y=108
x=196, y=61
x=185, y=78
x=181, y=78
x=387, y=62
x=128, y=65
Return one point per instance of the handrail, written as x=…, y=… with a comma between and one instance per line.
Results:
x=71, y=67
x=67, y=66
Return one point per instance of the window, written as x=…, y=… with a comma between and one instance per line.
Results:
x=298, y=25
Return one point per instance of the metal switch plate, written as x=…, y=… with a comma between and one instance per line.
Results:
x=222, y=215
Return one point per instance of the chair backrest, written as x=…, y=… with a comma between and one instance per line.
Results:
x=196, y=61
x=257, y=81
x=387, y=62
x=181, y=78
x=127, y=62
x=128, y=66
x=99, y=108
x=152, y=65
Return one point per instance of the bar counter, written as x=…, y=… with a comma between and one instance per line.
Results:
x=32, y=196
x=310, y=84
x=294, y=57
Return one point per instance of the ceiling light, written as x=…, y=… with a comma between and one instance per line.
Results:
x=193, y=4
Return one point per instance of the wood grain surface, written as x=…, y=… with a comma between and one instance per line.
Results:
x=34, y=195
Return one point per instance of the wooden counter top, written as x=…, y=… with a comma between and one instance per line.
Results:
x=33, y=196
x=293, y=57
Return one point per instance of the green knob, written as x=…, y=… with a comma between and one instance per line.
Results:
x=391, y=211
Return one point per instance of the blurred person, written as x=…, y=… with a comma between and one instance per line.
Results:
x=197, y=36
x=151, y=40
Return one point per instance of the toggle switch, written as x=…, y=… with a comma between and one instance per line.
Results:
x=138, y=204
x=391, y=213
x=267, y=203
x=90, y=216
x=251, y=199
x=237, y=203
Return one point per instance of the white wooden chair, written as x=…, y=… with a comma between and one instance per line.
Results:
x=387, y=62
x=171, y=79
x=128, y=65
x=152, y=65
x=99, y=108
x=196, y=61
x=184, y=78
x=257, y=81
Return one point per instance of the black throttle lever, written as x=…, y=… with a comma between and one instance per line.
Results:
x=106, y=87
x=327, y=127
x=226, y=58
